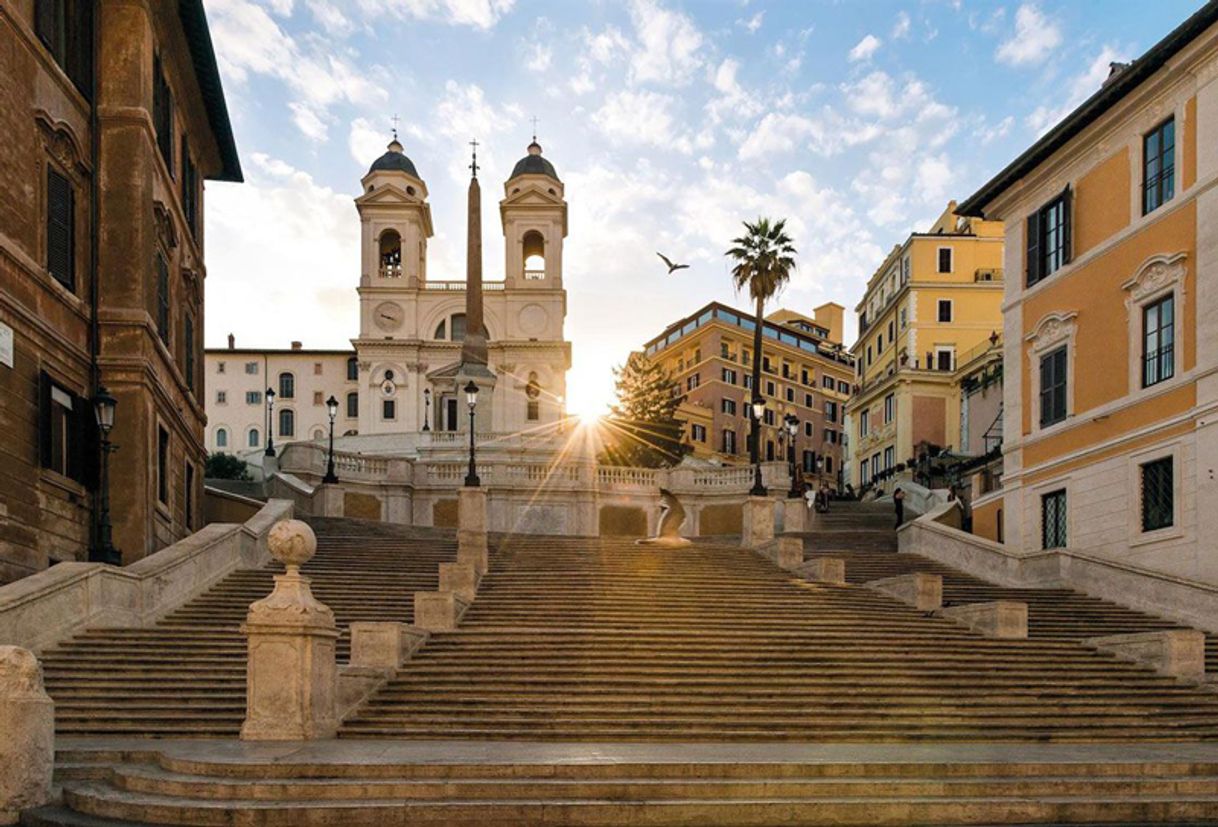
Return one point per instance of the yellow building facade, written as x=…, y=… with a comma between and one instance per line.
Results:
x=806, y=373
x=1111, y=320
x=932, y=307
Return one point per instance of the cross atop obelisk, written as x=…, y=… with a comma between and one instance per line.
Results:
x=474, y=164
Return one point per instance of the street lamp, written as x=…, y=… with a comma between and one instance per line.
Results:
x=757, y=409
x=104, y=551
x=471, y=399
x=270, y=409
x=792, y=423
x=426, y=409
x=332, y=410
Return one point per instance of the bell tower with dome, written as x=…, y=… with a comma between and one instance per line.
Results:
x=412, y=325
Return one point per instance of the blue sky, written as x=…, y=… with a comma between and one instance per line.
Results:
x=670, y=122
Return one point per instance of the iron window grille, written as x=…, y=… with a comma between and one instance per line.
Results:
x=1158, y=495
x=1158, y=341
x=1053, y=520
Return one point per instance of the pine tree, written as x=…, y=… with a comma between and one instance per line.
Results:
x=642, y=428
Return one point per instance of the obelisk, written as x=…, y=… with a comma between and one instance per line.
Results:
x=473, y=346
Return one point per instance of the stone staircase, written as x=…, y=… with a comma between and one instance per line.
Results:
x=614, y=786
x=185, y=676
x=578, y=639
x=1053, y=614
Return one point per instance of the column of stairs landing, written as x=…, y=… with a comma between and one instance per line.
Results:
x=185, y=675
x=863, y=535
x=605, y=640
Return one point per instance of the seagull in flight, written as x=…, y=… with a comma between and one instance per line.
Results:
x=672, y=268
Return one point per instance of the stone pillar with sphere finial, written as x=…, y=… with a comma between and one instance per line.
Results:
x=291, y=680
x=27, y=734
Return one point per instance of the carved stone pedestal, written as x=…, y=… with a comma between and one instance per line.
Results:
x=471, y=528
x=794, y=515
x=27, y=734
x=291, y=678
x=758, y=522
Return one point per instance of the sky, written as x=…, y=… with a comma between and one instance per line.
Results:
x=670, y=122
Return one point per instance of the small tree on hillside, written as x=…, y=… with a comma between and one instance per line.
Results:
x=642, y=428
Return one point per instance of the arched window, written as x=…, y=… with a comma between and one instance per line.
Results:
x=287, y=422
x=441, y=329
x=534, y=255
x=352, y=405
x=352, y=369
x=287, y=386
x=391, y=254
x=251, y=438
x=457, y=327
x=222, y=437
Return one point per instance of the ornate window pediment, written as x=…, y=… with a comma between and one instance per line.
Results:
x=63, y=145
x=1155, y=274
x=1053, y=329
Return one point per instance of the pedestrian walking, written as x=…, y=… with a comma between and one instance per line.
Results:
x=898, y=502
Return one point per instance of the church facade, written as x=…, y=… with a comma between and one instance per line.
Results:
x=412, y=327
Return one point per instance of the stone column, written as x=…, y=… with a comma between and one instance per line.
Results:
x=291, y=677
x=471, y=528
x=27, y=734
x=757, y=527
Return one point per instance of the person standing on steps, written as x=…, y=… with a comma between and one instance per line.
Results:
x=898, y=502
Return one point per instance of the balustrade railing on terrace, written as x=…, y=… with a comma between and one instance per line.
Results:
x=487, y=286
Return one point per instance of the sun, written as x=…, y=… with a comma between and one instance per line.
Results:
x=588, y=401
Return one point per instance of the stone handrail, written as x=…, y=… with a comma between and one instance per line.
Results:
x=46, y=608
x=1185, y=601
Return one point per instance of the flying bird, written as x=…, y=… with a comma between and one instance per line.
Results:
x=672, y=268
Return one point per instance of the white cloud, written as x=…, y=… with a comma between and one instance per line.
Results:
x=331, y=18
x=637, y=118
x=465, y=113
x=989, y=134
x=1034, y=39
x=307, y=275
x=934, y=178
x=732, y=100
x=900, y=29
x=667, y=51
x=317, y=76
x=479, y=14
x=865, y=48
x=779, y=133
x=752, y=24
x=1082, y=87
x=538, y=57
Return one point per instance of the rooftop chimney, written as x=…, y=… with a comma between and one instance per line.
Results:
x=296, y=345
x=232, y=342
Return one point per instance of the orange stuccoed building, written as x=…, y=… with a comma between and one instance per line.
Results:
x=1111, y=320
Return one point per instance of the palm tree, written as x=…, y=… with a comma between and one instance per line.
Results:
x=764, y=258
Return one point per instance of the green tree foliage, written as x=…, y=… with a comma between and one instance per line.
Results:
x=763, y=259
x=642, y=428
x=226, y=467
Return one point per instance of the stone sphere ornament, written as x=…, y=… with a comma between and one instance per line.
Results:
x=292, y=543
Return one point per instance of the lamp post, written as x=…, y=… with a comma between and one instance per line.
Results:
x=270, y=409
x=332, y=410
x=471, y=399
x=426, y=409
x=757, y=409
x=792, y=424
x=104, y=550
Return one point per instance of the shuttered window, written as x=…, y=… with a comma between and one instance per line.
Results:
x=1049, y=238
x=162, y=298
x=61, y=229
x=190, y=189
x=188, y=343
x=65, y=27
x=1053, y=387
x=67, y=432
x=162, y=112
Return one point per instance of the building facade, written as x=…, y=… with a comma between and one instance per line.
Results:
x=411, y=327
x=930, y=308
x=805, y=373
x=113, y=117
x=1111, y=322
x=302, y=380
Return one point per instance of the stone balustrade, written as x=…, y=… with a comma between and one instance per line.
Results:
x=43, y=609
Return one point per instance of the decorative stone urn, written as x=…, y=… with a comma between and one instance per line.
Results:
x=291, y=676
x=27, y=734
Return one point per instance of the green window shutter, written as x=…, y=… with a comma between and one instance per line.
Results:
x=1033, y=248
x=61, y=235
x=1067, y=225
